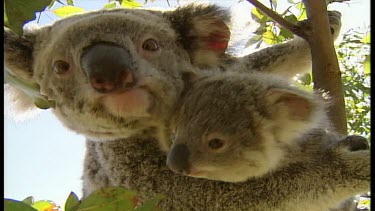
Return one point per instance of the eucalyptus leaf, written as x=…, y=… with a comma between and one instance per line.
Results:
x=29, y=200
x=108, y=199
x=257, y=15
x=302, y=11
x=367, y=38
x=70, y=2
x=286, y=34
x=110, y=5
x=367, y=64
x=253, y=40
x=44, y=205
x=67, y=11
x=19, y=12
x=72, y=202
x=14, y=205
x=31, y=89
x=130, y=4
x=151, y=205
x=269, y=37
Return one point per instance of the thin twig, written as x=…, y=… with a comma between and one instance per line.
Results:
x=278, y=19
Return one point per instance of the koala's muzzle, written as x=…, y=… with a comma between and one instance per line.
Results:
x=109, y=67
x=178, y=159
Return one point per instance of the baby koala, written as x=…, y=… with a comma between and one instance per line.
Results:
x=231, y=127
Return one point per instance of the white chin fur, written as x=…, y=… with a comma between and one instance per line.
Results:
x=132, y=103
x=18, y=106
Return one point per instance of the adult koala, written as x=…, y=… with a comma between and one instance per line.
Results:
x=114, y=75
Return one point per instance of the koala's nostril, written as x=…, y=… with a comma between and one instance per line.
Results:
x=178, y=159
x=108, y=67
x=101, y=85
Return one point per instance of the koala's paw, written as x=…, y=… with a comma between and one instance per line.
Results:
x=334, y=23
x=354, y=143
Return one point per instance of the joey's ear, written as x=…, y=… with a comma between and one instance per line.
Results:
x=293, y=113
x=203, y=32
x=296, y=106
x=18, y=52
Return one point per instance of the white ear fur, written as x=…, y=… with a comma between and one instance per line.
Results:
x=295, y=113
x=18, y=105
x=203, y=31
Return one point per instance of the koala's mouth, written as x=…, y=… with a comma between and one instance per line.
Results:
x=130, y=102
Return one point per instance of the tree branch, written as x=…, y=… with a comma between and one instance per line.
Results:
x=325, y=68
x=278, y=19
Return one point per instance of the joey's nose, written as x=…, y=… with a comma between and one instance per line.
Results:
x=108, y=67
x=178, y=159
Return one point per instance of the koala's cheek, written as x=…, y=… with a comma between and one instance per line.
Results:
x=134, y=102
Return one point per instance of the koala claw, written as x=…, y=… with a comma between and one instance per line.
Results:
x=355, y=143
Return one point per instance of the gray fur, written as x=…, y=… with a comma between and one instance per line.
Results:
x=259, y=119
x=122, y=127
x=322, y=181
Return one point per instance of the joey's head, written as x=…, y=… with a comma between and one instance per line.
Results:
x=231, y=127
x=113, y=73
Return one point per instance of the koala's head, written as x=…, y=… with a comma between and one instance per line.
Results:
x=114, y=73
x=232, y=127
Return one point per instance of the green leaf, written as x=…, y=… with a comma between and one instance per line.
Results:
x=72, y=202
x=306, y=79
x=257, y=15
x=110, y=5
x=291, y=18
x=367, y=38
x=110, y=198
x=269, y=37
x=273, y=4
x=31, y=89
x=6, y=23
x=261, y=29
x=151, y=205
x=45, y=205
x=130, y=4
x=67, y=11
x=367, y=64
x=302, y=15
x=13, y=205
x=70, y=2
x=19, y=12
x=29, y=200
x=253, y=40
x=286, y=33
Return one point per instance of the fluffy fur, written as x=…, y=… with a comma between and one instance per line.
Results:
x=121, y=146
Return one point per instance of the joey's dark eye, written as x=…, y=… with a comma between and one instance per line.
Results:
x=216, y=143
x=150, y=45
x=61, y=67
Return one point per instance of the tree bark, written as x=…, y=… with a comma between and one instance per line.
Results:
x=325, y=68
x=326, y=73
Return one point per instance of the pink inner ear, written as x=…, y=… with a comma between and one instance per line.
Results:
x=218, y=46
x=218, y=41
x=299, y=107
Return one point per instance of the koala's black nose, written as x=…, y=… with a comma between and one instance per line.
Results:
x=109, y=67
x=178, y=159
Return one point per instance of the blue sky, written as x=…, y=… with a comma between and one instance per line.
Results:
x=43, y=159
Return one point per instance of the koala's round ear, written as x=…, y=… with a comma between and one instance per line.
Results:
x=296, y=106
x=18, y=52
x=203, y=31
x=293, y=113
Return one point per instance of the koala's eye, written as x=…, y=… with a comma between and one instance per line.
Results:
x=61, y=67
x=216, y=143
x=150, y=45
